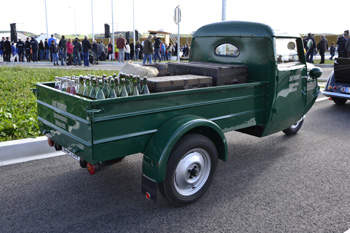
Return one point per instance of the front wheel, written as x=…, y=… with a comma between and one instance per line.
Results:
x=294, y=128
x=190, y=169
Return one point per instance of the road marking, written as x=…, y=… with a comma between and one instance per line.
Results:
x=321, y=99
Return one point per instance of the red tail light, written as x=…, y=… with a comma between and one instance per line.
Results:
x=148, y=195
x=335, y=88
x=50, y=142
x=91, y=168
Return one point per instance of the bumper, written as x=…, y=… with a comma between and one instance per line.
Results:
x=337, y=95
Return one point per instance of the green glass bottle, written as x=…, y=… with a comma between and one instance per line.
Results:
x=135, y=90
x=99, y=93
x=117, y=86
x=145, y=90
x=105, y=87
x=81, y=85
x=124, y=92
x=112, y=93
x=86, y=91
x=128, y=85
x=93, y=90
x=138, y=83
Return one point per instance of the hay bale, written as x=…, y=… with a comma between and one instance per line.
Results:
x=135, y=69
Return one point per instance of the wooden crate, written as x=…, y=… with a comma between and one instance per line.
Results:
x=222, y=74
x=178, y=82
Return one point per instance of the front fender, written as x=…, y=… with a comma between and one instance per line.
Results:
x=161, y=144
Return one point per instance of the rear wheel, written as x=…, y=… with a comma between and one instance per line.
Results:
x=190, y=170
x=294, y=128
x=339, y=101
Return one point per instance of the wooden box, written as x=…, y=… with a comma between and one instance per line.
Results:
x=178, y=82
x=222, y=74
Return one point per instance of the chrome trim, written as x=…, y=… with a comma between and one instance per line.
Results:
x=333, y=94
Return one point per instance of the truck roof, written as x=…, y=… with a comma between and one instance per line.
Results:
x=240, y=28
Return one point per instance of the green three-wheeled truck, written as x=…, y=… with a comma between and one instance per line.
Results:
x=259, y=84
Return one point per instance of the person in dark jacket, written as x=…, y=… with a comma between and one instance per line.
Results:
x=76, y=51
x=34, y=46
x=47, y=50
x=311, y=46
x=341, y=44
x=20, y=47
x=27, y=47
x=41, y=50
x=2, y=46
x=63, y=50
x=322, y=47
x=157, y=43
x=86, y=47
x=7, y=50
x=54, y=51
x=147, y=50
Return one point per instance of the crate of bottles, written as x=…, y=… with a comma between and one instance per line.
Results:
x=103, y=87
x=178, y=82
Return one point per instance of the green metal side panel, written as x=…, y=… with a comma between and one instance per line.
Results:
x=112, y=128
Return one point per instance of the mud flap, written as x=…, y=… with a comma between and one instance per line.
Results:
x=149, y=188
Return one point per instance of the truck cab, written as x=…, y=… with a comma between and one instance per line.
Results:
x=272, y=57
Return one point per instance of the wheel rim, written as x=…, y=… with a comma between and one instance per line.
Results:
x=192, y=172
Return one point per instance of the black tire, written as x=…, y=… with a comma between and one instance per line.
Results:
x=339, y=101
x=294, y=128
x=190, y=169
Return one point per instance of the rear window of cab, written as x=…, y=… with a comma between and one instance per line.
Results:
x=227, y=50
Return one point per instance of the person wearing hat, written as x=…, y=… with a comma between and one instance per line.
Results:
x=311, y=46
x=341, y=44
x=322, y=47
x=347, y=45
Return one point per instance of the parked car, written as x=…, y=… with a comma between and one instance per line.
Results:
x=338, y=84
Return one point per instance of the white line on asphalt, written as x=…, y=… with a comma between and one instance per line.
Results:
x=321, y=99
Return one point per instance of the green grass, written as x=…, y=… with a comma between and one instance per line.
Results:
x=18, y=109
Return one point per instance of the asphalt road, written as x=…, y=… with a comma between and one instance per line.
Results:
x=273, y=184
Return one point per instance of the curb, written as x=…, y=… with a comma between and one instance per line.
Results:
x=24, y=150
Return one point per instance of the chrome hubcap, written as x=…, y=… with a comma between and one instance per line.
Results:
x=192, y=172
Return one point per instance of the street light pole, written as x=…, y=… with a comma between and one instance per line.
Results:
x=113, y=51
x=223, y=10
x=75, y=22
x=92, y=17
x=47, y=28
x=133, y=19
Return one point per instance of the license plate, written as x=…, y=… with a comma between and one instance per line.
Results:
x=71, y=154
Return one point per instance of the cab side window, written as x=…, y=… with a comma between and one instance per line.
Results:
x=286, y=50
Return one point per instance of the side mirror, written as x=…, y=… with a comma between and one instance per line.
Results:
x=315, y=73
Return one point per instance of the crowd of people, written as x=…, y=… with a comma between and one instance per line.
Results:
x=342, y=46
x=73, y=52
x=153, y=48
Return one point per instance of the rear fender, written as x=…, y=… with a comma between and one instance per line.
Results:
x=160, y=146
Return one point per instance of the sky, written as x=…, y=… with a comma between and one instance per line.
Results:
x=70, y=16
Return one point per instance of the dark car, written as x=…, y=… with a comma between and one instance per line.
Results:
x=338, y=84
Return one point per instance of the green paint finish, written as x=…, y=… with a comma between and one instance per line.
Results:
x=278, y=93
